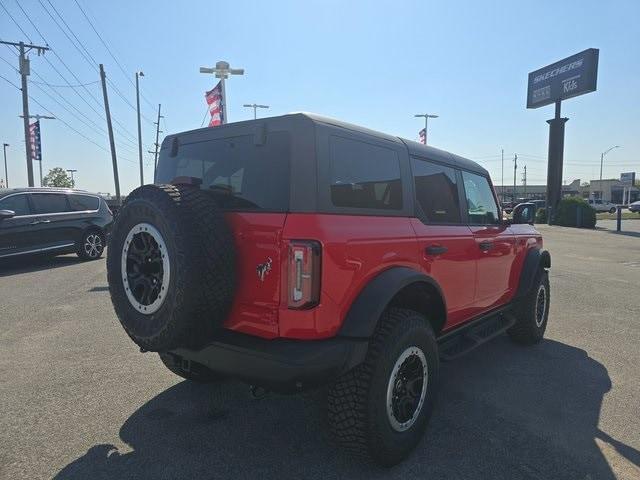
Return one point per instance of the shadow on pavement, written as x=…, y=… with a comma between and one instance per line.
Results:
x=34, y=263
x=629, y=234
x=504, y=412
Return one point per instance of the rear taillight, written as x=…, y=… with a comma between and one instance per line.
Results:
x=304, y=274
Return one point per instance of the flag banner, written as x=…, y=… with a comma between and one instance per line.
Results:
x=214, y=100
x=34, y=141
x=422, y=136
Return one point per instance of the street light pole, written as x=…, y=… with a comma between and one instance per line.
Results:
x=426, y=116
x=72, y=171
x=222, y=70
x=602, y=158
x=139, y=74
x=6, y=172
x=255, y=107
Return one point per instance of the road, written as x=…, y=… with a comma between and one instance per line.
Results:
x=79, y=401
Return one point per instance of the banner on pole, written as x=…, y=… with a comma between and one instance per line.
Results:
x=422, y=136
x=214, y=100
x=34, y=141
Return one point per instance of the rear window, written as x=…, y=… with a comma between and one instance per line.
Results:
x=49, y=203
x=245, y=176
x=80, y=203
x=364, y=175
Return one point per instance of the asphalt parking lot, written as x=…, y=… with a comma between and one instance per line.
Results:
x=79, y=401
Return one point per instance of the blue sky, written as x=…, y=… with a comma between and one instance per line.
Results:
x=372, y=63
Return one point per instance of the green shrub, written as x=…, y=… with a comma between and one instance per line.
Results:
x=541, y=215
x=567, y=213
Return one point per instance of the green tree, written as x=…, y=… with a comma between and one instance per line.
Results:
x=57, y=177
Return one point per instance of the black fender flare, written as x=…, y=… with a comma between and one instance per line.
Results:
x=363, y=316
x=536, y=259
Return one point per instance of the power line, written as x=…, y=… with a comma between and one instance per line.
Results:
x=66, y=86
x=10, y=82
x=122, y=69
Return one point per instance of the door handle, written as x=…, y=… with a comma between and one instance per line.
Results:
x=45, y=221
x=35, y=222
x=485, y=246
x=436, y=249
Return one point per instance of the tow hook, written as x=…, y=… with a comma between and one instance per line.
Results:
x=257, y=393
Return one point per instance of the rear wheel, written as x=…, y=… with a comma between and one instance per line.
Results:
x=91, y=245
x=612, y=210
x=381, y=408
x=532, y=312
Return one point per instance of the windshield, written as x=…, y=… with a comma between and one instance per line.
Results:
x=235, y=169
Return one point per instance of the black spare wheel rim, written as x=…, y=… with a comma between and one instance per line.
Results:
x=541, y=305
x=407, y=388
x=146, y=270
x=171, y=267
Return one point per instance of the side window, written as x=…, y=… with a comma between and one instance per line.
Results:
x=49, y=203
x=436, y=191
x=80, y=203
x=481, y=203
x=17, y=203
x=364, y=175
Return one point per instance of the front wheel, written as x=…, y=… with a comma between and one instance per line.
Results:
x=381, y=408
x=91, y=245
x=612, y=210
x=532, y=312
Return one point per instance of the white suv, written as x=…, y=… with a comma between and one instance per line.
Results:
x=602, y=206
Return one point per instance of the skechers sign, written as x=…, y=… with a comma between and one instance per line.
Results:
x=567, y=78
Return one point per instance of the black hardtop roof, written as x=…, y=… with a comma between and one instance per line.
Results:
x=414, y=148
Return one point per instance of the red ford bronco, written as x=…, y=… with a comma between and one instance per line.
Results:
x=299, y=251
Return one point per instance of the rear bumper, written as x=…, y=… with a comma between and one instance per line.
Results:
x=280, y=365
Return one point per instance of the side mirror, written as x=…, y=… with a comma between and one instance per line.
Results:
x=524, y=213
x=7, y=214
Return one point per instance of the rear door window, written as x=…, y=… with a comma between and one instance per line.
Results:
x=81, y=203
x=481, y=203
x=245, y=176
x=49, y=203
x=17, y=203
x=363, y=175
x=436, y=191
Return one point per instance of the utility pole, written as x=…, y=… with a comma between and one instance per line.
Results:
x=502, y=182
x=515, y=169
x=255, y=107
x=25, y=71
x=112, y=143
x=6, y=172
x=222, y=70
x=139, y=74
x=38, y=118
x=157, y=145
x=524, y=181
x=426, y=123
x=73, y=181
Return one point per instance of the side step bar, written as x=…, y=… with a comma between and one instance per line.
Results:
x=459, y=342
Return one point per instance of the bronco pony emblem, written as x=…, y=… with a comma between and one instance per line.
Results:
x=263, y=269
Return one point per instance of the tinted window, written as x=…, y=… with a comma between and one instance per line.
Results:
x=79, y=203
x=49, y=203
x=17, y=203
x=480, y=200
x=244, y=176
x=436, y=191
x=364, y=176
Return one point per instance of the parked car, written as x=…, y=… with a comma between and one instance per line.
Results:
x=52, y=221
x=635, y=207
x=300, y=251
x=539, y=204
x=602, y=205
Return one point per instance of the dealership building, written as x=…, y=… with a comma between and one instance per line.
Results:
x=611, y=190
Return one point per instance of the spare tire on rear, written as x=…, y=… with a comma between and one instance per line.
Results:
x=171, y=267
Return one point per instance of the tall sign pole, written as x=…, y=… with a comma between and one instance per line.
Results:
x=568, y=78
x=38, y=155
x=6, y=171
x=112, y=143
x=24, y=70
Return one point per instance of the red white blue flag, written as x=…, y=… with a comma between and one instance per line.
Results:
x=214, y=100
x=34, y=141
x=422, y=136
